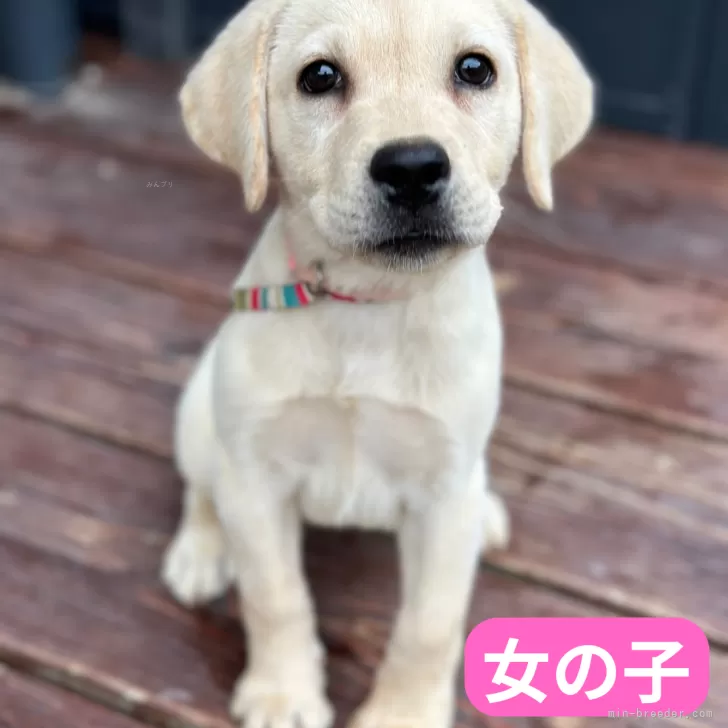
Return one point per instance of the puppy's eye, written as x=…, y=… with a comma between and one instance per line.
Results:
x=320, y=77
x=475, y=69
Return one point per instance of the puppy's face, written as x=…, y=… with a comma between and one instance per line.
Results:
x=393, y=125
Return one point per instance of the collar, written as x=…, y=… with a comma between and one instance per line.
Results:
x=309, y=286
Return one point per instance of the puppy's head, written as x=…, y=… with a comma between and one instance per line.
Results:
x=393, y=125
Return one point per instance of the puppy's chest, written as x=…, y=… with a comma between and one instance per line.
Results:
x=369, y=413
x=355, y=461
x=364, y=434
x=390, y=359
x=362, y=354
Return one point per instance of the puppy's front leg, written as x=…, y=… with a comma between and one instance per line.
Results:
x=283, y=683
x=439, y=549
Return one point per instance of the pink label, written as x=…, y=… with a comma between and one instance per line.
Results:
x=587, y=667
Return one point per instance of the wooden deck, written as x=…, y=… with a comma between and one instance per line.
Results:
x=612, y=449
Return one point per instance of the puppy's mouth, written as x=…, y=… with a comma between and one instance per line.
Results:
x=414, y=246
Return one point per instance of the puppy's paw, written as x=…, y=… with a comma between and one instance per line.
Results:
x=196, y=567
x=263, y=702
x=497, y=524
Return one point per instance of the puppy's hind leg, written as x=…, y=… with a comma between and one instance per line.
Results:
x=497, y=531
x=196, y=566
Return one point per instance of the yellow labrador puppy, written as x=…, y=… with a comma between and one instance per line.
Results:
x=362, y=394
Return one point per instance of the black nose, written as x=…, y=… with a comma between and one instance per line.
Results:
x=411, y=173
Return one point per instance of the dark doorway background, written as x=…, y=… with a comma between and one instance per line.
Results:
x=662, y=65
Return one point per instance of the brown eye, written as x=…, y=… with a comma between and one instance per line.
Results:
x=320, y=77
x=475, y=70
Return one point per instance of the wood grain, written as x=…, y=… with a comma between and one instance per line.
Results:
x=129, y=642
x=572, y=328
x=91, y=205
x=654, y=351
x=611, y=450
x=26, y=703
x=630, y=201
x=102, y=365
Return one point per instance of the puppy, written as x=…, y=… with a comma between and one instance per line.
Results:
x=367, y=402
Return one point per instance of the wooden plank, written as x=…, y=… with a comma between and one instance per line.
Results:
x=83, y=603
x=191, y=238
x=622, y=513
x=50, y=464
x=26, y=703
x=654, y=350
x=73, y=366
x=95, y=206
x=590, y=335
x=622, y=199
x=654, y=206
x=101, y=363
x=628, y=200
x=665, y=316
x=57, y=380
x=100, y=310
x=667, y=497
x=94, y=627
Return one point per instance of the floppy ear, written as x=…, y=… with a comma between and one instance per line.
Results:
x=557, y=96
x=224, y=99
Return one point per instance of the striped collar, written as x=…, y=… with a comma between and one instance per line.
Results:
x=308, y=287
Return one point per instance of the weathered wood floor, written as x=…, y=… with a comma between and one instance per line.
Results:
x=612, y=449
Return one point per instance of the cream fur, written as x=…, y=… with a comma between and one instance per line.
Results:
x=376, y=415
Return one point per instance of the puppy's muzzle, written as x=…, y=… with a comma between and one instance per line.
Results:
x=411, y=174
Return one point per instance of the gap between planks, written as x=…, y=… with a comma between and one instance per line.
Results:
x=520, y=569
x=64, y=129
x=150, y=278
x=110, y=692
x=615, y=405
x=100, y=688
